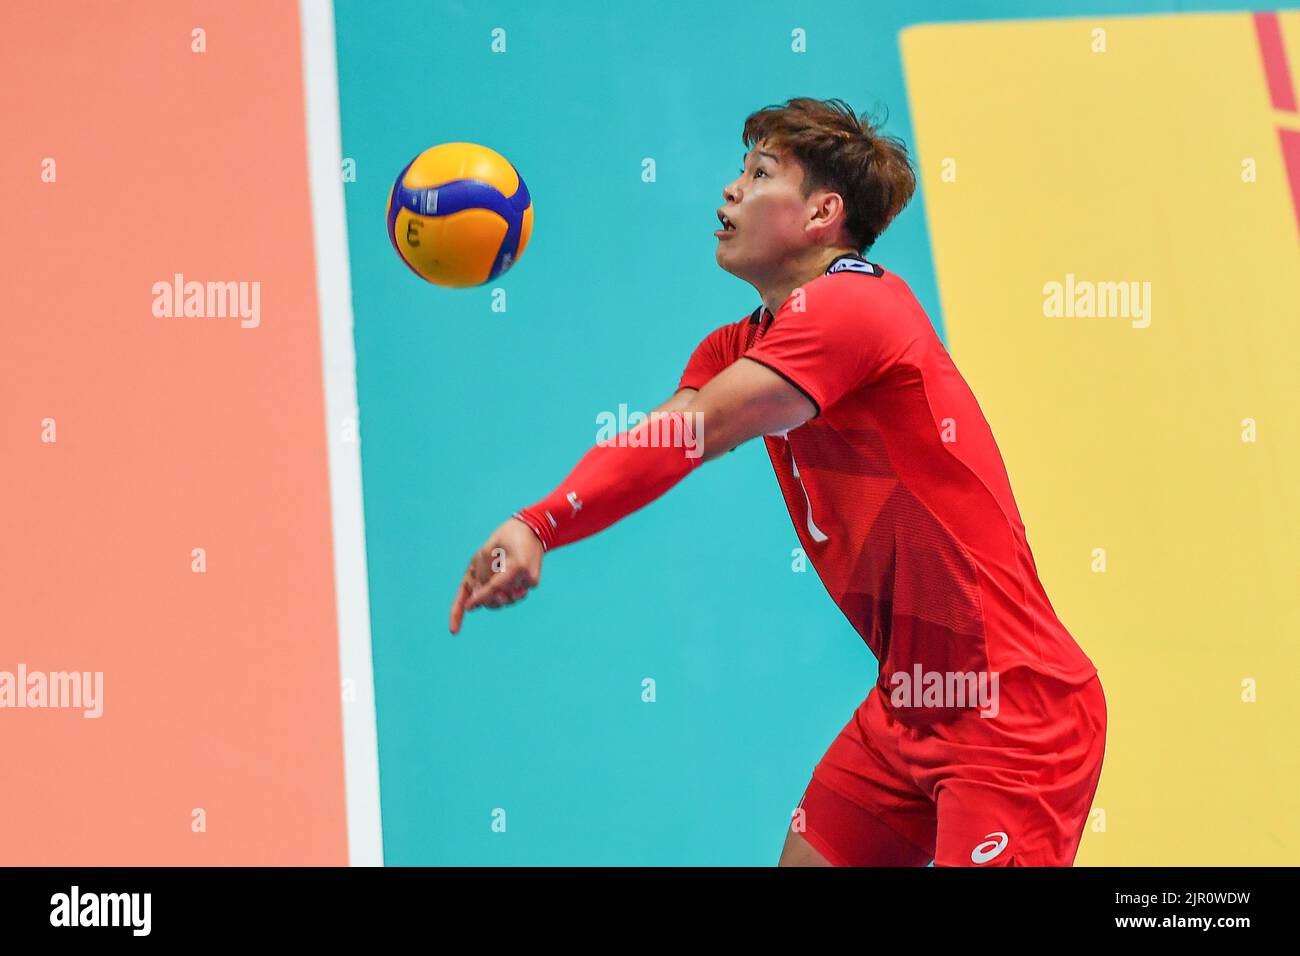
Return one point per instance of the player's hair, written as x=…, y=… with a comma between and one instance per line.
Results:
x=842, y=152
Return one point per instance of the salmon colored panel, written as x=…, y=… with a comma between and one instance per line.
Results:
x=221, y=689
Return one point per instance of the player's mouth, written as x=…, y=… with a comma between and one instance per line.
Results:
x=728, y=227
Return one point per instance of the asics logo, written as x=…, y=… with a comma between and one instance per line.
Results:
x=990, y=847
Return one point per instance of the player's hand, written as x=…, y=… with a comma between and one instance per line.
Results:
x=501, y=572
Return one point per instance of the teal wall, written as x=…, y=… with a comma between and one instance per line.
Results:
x=467, y=414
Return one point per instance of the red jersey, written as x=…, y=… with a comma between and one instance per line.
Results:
x=896, y=487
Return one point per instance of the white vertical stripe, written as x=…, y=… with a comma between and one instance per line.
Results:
x=334, y=291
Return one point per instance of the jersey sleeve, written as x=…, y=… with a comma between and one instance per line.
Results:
x=838, y=341
x=709, y=358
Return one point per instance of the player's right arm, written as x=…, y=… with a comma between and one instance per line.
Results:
x=513, y=549
x=508, y=564
x=678, y=401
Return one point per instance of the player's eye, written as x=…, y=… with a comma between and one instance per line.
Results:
x=760, y=169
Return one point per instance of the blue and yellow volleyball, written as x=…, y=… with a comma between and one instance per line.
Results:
x=459, y=215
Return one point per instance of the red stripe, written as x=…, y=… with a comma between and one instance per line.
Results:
x=1291, y=160
x=1271, y=50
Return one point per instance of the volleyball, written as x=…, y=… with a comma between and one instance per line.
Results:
x=459, y=215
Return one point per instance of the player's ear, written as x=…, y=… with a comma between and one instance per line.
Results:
x=826, y=206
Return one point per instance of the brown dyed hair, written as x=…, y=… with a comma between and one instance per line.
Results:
x=842, y=152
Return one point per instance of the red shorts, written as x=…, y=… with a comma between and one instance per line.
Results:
x=1014, y=789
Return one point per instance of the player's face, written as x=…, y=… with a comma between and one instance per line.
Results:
x=764, y=215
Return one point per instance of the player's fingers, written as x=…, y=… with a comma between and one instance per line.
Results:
x=477, y=577
x=520, y=584
x=458, y=604
x=484, y=594
x=496, y=589
x=506, y=597
x=517, y=594
x=480, y=568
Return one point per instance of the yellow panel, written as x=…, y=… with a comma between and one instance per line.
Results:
x=1040, y=160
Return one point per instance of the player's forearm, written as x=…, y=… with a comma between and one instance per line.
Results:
x=617, y=478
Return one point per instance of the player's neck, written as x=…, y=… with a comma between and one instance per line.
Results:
x=775, y=290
